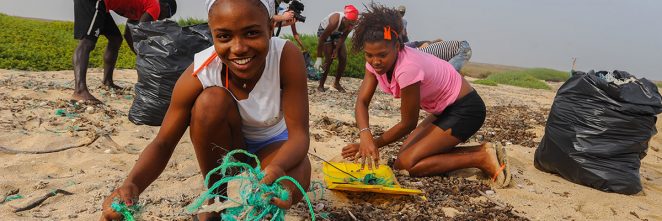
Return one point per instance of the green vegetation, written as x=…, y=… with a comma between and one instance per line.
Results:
x=355, y=61
x=37, y=45
x=520, y=79
x=547, y=74
x=485, y=82
x=481, y=70
x=659, y=84
x=190, y=21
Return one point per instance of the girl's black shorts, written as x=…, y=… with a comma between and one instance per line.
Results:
x=464, y=117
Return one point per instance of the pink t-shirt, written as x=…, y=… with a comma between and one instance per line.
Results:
x=440, y=83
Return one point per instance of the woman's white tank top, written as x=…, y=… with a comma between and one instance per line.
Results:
x=261, y=113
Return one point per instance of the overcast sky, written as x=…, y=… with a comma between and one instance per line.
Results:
x=602, y=34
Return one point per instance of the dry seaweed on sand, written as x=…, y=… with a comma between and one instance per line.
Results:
x=443, y=194
x=511, y=124
x=448, y=198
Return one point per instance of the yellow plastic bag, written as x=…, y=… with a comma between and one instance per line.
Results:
x=337, y=180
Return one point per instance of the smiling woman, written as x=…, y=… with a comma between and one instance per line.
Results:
x=238, y=94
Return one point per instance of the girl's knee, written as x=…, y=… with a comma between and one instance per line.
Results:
x=404, y=162
x=213, y=105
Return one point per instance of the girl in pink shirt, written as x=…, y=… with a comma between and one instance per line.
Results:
x=421, y=81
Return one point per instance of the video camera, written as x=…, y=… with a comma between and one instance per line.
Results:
x=297, y=7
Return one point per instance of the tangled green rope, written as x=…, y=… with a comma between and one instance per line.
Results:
x=368, y=179
x=254, y=197
x=126, y=211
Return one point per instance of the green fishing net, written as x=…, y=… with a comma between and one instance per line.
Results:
x=254, y=198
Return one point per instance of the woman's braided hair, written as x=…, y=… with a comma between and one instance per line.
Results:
x=371, y=24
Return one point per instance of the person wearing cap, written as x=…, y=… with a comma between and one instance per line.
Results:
x=247, y=91
x=331, y=33
x=402, y=9
x=91, y=19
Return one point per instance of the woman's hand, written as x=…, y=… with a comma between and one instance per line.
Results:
x=127, y=193
x=368, y=152
x=271, y=173
x=350, y=152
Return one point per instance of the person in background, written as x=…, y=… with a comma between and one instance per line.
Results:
x=91, y=19
x=331, y=33
x=402, y=9
x=421, y=81
x=285, y=19
x=457, y=53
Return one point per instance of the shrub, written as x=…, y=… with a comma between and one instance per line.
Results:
x=190, y=21
x=485, y=82
x=355, y=61
x=36, y=45
x=547, y=74
x=519, y=79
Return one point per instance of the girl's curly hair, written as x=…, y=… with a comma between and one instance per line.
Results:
x=371, y=24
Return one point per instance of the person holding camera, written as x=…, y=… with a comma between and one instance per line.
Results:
x=332, y=32
x=91, y=19
x=289, y=17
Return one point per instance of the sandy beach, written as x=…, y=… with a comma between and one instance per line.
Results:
x=103, y=146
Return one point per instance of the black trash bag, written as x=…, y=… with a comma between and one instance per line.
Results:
x=598, y=130
x=310, y=70
x=163, y=51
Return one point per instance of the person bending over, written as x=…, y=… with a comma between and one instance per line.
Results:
x=241, y=93
x=331, y=34
x=421, y=81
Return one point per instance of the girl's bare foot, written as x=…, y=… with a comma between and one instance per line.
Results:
x=503, y=159
x=493, y=167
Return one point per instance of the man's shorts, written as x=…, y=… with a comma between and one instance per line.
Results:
x=91, y=20
x=333, y=38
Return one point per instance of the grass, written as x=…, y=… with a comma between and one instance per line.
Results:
x=659, y=84
x=37, y=45
x=547, y=74
x=519, y=79
x=355, y=61
x=190, y=21
x=481, y=70
x=486, y=82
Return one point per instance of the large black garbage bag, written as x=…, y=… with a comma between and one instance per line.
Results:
x=598, y=130
x=163, y=51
